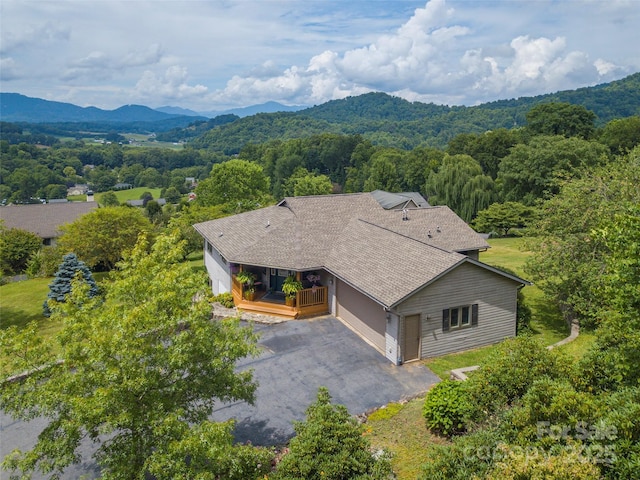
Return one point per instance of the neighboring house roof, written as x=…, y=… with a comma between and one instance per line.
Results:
x=140, y=203
x=44, y=220
x=398, y=201
x=354, y=237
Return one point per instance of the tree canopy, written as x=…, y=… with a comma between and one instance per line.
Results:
x=101, y=237
x=140, y=371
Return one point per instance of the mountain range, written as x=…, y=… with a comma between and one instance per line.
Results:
x=15, y=107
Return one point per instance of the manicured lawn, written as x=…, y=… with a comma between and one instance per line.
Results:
x=21, y=303
x=546, y=323
x=132, y=194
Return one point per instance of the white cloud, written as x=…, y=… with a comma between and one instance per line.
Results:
x=7, y=69
x=172, y=85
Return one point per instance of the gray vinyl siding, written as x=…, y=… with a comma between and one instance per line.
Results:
x=362, y=314
x=218, y=269
x=467, y=284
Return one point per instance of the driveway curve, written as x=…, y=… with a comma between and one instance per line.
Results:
x=297, y=357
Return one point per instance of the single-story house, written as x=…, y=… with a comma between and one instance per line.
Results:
x=403, y=275
x=46, y=219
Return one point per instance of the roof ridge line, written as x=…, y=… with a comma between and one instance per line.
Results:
x=407, y=236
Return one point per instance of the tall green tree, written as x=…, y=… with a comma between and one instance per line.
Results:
x=460, y=184
x=239, y=185
x=570, y=257
x=100, y=238
x=502, y=217
x=535, y=170
x=560, y=118
x=139, y=373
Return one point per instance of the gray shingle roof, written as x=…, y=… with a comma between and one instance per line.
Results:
x=351, y=235
x=44, y=220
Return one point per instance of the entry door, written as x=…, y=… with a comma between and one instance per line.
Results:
x=278, y=277
x=411, y=350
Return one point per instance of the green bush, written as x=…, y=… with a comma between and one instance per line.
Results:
x=468, y=457
x=44, y=262
x=510, y=370
x=225, y=299
x=330, y=445
x=446, y=408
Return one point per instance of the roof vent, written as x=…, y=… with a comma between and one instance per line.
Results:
x=429, y=234
x=404, y=214
x=268, y=224
x=438, y=229
x=220, y=234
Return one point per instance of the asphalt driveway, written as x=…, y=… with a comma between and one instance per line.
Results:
x=297, y=358
x=300, y=356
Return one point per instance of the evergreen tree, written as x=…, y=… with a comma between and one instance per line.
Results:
x=61, y=285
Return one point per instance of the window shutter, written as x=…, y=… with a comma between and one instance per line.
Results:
x=445, y=320
x=474, y=314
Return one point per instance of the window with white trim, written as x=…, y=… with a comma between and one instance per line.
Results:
x=456, y=318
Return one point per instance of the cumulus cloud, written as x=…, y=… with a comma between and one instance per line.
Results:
x=7, y=69
x=425, y=59
x=100, y=64
x=171, y=85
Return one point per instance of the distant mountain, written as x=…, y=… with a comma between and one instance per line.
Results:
x=268, y=107
x=15, y=107
x=395, y=122
x=179, y=111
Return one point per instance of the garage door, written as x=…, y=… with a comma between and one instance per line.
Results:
x=361, y=313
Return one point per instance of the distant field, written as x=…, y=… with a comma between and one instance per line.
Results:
x=141, y=140
x=131, y=194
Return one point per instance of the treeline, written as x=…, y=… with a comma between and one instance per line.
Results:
x=389, y=121
x=475, y=170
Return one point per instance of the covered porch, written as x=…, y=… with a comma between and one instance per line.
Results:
x=264, y=294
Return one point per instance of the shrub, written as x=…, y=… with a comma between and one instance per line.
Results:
x=225, y=299
x=468, y=457
x=510, y=370
x=330, y=445
x=446, y=408
x=45, y=262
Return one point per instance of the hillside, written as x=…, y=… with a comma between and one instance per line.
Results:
x=20, y=108
x=387, y=120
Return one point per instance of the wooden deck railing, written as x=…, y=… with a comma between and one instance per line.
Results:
x=311, y=296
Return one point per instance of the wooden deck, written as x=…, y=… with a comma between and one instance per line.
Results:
x=309, y=302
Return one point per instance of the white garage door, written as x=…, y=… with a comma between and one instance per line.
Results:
x=361, y=313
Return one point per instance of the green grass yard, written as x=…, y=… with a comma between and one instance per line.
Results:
x=132, y=194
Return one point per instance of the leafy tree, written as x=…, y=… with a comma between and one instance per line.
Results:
x=460, y=184
x=172, y=195
x=330, y=445
x=621, y=135
x=140, y=372
x=502, y=217
x=383, y=171
x=238, y=184
x=16, y=247
x=183, y=222
x=71, y=268
x=559, y=118
x=536, y=170
x=54, y=191
x=302, y=182
x=101, y=237
x=570, y=256
x=109, y=199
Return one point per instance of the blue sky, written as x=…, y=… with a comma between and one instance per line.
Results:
x=217, y=54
